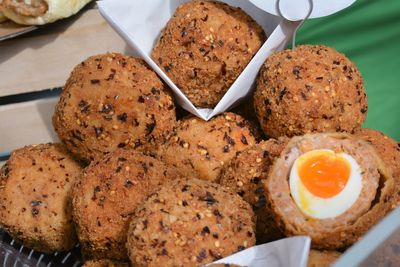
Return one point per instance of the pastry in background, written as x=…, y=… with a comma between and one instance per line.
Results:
x=312, y=89
x=113, y=101
x=199, y=149
x=35, y=197
x=323, y=258
x=246, y=173
x=331, y=187
x=2, y=17
x=189, y=223
x=205, y=46
x=38, y=12
x=389, y=151
x=107, y=195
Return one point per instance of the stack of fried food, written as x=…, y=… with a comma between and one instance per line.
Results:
x=134, y=184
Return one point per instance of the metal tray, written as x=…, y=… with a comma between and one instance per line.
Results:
x=16, y=255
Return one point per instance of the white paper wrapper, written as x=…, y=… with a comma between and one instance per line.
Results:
x=140, y=22
x=288, y=252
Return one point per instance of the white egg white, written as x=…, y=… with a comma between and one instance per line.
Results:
x=324, y=208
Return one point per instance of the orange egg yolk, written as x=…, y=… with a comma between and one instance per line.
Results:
x=324, y=174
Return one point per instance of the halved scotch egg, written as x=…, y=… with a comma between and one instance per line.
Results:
x=332, y=187
x=324, y=184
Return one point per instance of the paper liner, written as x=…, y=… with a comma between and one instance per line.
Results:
x=288, y=252
x=140, y=22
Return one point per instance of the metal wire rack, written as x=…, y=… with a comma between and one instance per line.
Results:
x=13, y=254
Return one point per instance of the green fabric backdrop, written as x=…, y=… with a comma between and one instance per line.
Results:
x=368, y=33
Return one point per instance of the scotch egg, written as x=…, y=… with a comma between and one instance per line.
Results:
x=325, y=184
x=332, y=187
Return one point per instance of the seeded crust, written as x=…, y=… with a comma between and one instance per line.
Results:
x=107, y=195
x=199, y=149
x=246, y=110
x=189, y=223
x=205, y=46
x=374, y=202
x=112, y=101
x=389, y=151
x=323, y=258
x=104, y=263
x=245, y=173
x=35, y=203
x=311, y=89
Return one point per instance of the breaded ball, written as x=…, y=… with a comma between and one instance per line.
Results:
x=246, y=110
x=323, y=258
x=389, y=151
x=35, y=197
x=370, y=199
x=245, y=174
x=387, y=148
x=104, y=263
x=189, y=223
x=112, y=101
x=201, y=148
x=107, y=195
x=204, y=48
x=312, y=89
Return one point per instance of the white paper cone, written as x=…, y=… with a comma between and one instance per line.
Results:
x=288, y=252
x=140, y=22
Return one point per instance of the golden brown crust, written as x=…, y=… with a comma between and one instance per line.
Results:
x=112, y=101
x=199, y=149
x=35, y=202
x=249, y=167
x=247, y=111
x=373, y=203
x=189, y=223
x=205, y=46
x=389, y=151
x=323, y=258
x=245, y=173
x=107, y=195
x=104, y=263
x=311, y=89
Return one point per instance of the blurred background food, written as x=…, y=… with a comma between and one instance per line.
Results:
x=39, y=12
